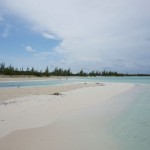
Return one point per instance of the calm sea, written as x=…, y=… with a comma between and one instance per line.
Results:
x=57, y=82
x=131, y=127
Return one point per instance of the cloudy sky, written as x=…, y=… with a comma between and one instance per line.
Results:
x=77, y=34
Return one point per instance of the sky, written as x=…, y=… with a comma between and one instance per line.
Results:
x=77, y=34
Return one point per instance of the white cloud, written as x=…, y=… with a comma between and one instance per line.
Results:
x=48, y=36
x=30, y=49
x=102, y=30
x=36, y=53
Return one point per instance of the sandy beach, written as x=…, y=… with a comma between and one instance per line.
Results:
x=35, y=119
x=7, y=78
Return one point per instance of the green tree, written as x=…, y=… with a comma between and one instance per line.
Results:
x=46, y=72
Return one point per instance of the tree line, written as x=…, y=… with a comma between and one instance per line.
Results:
x=10, y=70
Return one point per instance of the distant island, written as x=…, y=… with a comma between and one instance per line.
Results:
x=13, y=71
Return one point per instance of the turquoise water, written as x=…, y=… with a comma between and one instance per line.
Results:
x=50, y=82
x=134, y=79
x=144, y=80
x=131, y=128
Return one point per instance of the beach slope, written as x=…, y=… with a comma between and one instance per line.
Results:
x=74, y=120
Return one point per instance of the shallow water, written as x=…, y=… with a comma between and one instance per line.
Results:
x=131, y=79
x=131, y=128
x=57, y=82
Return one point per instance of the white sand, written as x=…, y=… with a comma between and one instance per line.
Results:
x=9, y=93
x=73, y=121
x=7, y=78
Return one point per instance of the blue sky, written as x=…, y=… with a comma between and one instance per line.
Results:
x=22, y=47
x=76, y=34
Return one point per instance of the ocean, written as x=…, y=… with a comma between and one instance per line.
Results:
x=70, y=80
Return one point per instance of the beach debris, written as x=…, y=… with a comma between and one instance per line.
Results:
x=19, y=85
x=56, y=94
x=100, y=84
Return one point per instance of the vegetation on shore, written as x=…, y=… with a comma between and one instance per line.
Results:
x=10, y=70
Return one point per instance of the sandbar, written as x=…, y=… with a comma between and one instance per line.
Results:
x=74, y=120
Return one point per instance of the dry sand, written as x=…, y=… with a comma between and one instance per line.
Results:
x=6, y=78
x=8, y=93
x=75, y=120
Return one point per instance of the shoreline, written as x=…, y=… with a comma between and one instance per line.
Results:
x=9, y=93
x=42, y=109
x=30, y=78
